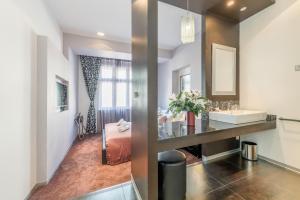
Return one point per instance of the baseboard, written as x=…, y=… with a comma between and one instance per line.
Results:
x=274, y=162
x=36, y=186
x=137, y=193
x=219, y=155
x=288, y=167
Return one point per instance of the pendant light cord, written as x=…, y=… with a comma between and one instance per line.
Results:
x=187, y=6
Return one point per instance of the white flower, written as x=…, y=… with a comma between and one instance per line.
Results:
x=183, y=95
x=173, y=97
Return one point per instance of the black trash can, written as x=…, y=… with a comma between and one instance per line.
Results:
x=171, y=175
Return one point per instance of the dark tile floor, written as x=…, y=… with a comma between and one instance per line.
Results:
x=230, y=178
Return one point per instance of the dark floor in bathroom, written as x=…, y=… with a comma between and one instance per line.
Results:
x=228, y=178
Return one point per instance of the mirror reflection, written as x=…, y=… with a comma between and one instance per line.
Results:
x=179, y=57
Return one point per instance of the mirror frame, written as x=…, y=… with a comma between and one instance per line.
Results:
x=232, y=50
x=212, y=25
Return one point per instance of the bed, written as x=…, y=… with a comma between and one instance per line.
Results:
x=116, y=146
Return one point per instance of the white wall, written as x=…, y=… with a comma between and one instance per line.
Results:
x=56, y=130
x=40, y=20
x=188, y=55
x=82, y=45
x=74, y=63
x=269, y=52
x=20, y=22
x=61, y=131
x=92, y=46
x=164, y=84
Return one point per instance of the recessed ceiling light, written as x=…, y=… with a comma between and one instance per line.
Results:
x=100, y=34
x=230, y=3
x=243, y=9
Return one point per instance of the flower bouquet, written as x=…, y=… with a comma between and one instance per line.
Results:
x=190, y=102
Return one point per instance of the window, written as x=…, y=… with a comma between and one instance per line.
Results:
x=107, y=94
x=114, y=84
x=185, y=82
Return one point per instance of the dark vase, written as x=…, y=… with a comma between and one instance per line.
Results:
x=190, y=118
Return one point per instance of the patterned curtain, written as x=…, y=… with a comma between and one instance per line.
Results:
x=90, y=69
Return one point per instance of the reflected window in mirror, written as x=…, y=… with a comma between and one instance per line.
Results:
x=185, y=82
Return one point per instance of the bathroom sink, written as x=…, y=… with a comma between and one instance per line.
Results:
x=238, y=116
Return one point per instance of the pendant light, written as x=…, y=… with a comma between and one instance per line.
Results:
x=187, y=27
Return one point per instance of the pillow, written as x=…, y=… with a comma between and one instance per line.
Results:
x=124, y=128
x=120, y=122
x=124, y=123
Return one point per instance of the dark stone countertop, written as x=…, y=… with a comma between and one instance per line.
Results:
x=175, y=135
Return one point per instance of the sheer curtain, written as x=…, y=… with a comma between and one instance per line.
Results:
x=114, y=91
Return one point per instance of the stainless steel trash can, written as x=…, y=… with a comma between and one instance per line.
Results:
x=249, y=150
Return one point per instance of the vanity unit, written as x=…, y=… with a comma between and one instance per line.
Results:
x=175, y=135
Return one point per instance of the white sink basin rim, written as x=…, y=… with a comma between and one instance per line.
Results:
x=238, y=116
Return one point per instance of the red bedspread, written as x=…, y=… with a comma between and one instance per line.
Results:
x=118, y=144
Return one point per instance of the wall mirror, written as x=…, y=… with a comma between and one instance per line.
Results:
x=179, y=60
x=223, y=70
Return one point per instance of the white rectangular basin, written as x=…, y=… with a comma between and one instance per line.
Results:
x=238, y=116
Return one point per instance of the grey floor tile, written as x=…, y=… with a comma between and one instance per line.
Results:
x=111, y=194
x=219, y=194
x=199, y=182
x=225, y=172
x=257, y=188
x=129, y=192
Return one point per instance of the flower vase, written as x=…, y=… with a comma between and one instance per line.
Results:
x=190, y=118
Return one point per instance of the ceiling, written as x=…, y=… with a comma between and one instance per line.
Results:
x=251, y=7
x=233, y=10
x=113, y=17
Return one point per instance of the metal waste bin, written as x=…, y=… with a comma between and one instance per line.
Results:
x=249, y=150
